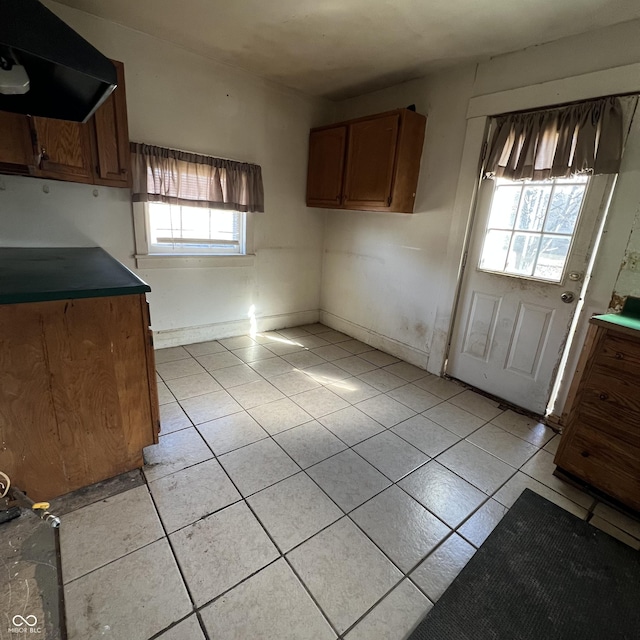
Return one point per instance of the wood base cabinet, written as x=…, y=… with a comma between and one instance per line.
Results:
x=601, y=442
x=78, y=399
x=78, y=391
x=368, y=164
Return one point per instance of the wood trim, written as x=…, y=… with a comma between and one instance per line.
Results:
x=617, y=80
x=151, y=368
x=594, y=335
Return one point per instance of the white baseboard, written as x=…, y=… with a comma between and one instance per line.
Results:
x=189, y=335
x=390, y=345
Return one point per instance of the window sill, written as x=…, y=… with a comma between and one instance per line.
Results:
x=160, y=261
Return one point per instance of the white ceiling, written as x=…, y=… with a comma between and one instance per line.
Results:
x=343, y=48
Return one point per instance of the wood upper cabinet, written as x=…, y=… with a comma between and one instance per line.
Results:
x=111, y=138
x=378, y=168
x=16, y=148
x=95, y=152
x=64, y=149
x=370, y=161
x=326, y=166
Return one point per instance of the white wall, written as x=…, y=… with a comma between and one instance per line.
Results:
x=178, y=99
x=388, y=277
x=382, y=271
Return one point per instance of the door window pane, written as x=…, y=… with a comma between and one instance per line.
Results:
x=552, y=257
x=530, y=227
x=533, y=206
x=564, y=209
x=496, y=247
x=506, y=200
x=522, y=254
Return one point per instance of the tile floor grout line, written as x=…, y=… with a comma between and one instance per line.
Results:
x=357, y=453
x=405, y=575
x=452, y=530
x=426, y=462
x=281, y=554
x=171, y=548
x=308, y=591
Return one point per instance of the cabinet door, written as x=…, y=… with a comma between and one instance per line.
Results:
x=16, y=151
x=370, y=162
x=326, y=167
x=111, y=139
x=64, y=148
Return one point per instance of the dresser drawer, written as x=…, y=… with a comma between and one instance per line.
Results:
x=605, y=462
x=619, y=354
x=611, y=397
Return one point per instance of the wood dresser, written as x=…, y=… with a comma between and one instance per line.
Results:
x=78, y=394
x=601, y=442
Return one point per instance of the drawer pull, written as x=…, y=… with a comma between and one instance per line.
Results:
x=604, y=396
x=619, y=356
x=585, y=454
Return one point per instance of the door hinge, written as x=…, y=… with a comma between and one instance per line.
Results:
x=465, y=255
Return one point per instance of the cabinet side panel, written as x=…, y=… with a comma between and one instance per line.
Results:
x=75, y=400
x=29, y=443
x=407, y=171
x=151, y=369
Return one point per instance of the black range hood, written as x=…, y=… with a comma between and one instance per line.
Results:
x=68, y=78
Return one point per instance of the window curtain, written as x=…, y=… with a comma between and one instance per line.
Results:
x=179, y=177
x=557, y=143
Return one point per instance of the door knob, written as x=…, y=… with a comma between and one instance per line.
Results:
x=567, y=296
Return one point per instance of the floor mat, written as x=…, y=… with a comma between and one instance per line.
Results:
x=543, y=574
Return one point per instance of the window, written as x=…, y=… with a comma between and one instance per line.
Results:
x=531, y=226
x=192, y=210
x=178, y=229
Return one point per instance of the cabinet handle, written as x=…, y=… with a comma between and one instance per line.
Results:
x=44, y=156
x=585, y=454
x=604, y=396
x=619, y=356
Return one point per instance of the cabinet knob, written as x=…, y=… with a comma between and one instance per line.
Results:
x=604, y=396
x=44, y=156
x=619, y=356
x=585, y=454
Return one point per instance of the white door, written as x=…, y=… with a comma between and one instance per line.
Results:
x=524, y=272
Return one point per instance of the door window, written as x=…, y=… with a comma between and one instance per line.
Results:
x=530, y=227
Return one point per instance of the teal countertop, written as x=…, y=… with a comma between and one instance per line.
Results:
x=40, y=274
x=628, y=322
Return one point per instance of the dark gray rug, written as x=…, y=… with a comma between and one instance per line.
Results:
x=542, y=574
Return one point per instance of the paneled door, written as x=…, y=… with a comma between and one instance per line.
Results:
x=526, y=263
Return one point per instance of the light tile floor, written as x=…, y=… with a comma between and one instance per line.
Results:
x=305, y=486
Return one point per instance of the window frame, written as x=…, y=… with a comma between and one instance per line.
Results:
x=147, y=258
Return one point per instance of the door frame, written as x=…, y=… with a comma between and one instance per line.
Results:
x=617, y=80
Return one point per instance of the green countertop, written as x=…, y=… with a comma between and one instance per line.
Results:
x=628, y=322
x=39, y=274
